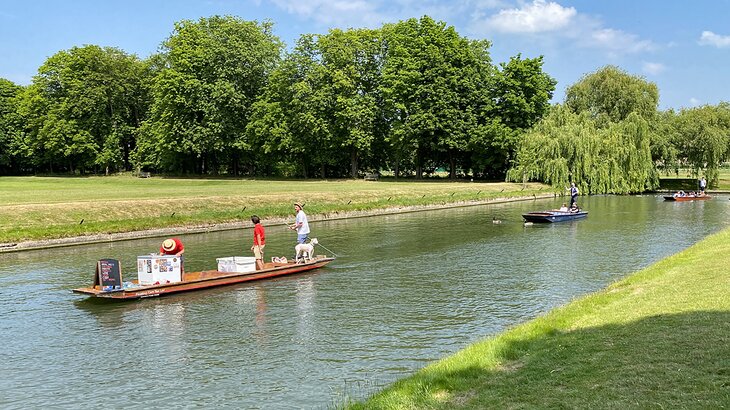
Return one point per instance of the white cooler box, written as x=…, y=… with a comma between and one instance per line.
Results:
x=153, y=269
x=238, y=264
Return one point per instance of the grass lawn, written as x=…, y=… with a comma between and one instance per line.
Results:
x=33, y=208
x=658, y=339
x=686, y=182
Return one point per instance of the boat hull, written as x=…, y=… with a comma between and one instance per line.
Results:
x=205, y=280
x=553, y=216
x=686, y=198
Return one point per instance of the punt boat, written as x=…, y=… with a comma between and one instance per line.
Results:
x=553, y=216
x=686, y=198
x=203, y=280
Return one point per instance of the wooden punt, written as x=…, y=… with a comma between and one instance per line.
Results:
x=205, y=279
x=686, y=198
x=553, y=216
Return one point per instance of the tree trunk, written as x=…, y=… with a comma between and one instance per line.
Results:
x=353, y=163
x=323, y=171
x=452, y=165
x=419, y=166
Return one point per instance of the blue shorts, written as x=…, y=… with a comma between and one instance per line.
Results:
x=302, y=237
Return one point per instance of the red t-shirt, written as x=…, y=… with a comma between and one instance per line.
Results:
x=258, y=231
x=178, y=248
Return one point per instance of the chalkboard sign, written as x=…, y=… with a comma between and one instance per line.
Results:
x=108, y=274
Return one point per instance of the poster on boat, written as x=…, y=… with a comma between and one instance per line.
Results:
x=158, y=269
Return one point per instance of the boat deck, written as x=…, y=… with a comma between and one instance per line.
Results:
x=205, y=279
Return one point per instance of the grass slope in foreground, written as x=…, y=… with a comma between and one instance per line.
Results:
x=658, y=339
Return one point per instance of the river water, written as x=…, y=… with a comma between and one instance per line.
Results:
x=406, y=290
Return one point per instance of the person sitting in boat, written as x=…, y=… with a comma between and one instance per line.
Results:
x=680, y=194
x=574, y=207
x=563, y=208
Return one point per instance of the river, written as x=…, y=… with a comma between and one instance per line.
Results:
x=406, y=290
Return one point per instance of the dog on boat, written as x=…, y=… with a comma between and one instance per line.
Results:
x=305, y=251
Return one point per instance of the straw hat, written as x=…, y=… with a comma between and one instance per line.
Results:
x=168, y=245
x=298, y=204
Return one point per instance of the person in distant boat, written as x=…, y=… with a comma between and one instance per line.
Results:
x=173, y=246
x=563, y=208
x=301, y=225
x=703, y=185
x=574, y=207
x=573, y=194
x=259, y=241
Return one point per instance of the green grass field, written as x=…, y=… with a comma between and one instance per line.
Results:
x=658, y=339
x=34, y=208
x=683, y=180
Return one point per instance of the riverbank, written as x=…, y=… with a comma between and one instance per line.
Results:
x=657, y=339
x=42, y=213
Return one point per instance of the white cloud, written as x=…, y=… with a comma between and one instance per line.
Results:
x=653, y=68
x=694, y=102
x=617, y=41
x=341, y=13
x=709, y=38
x=532, y=18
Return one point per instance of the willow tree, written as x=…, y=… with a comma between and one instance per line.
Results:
x=702, y=138
x=567, y=147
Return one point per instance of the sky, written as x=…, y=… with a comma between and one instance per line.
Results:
x=683, y=47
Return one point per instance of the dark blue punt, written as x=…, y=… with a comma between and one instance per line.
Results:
x=553, y=216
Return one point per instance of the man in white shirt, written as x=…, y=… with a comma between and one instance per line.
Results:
x=301, y=224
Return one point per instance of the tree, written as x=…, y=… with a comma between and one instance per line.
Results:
x=214, y=70
x=611, y=94
x=352, y=62
x=567, y=147
x=82, y=109
x=521, y=92
x=430, y=85
x=702, y=138
x=9, y=126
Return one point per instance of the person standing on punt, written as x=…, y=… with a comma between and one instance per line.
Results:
x=259, y=241
x=703, y=185
x=573, y=194
x=301, y=225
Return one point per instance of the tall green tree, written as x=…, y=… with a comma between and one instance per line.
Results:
x=521, y=93
x=430, y=90
x=611, y=95
x=9, y=127
x=214, y=70
x=289, y=121
x=82, y=109
x=352, y=63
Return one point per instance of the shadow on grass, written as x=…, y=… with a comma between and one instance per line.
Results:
x=665, y=361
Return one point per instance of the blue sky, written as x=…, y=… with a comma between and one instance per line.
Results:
x=683, y=47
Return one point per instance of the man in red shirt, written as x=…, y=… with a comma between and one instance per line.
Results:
x=172, y=246
x=259, y=241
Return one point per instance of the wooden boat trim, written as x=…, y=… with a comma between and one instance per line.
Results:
x=206, y=279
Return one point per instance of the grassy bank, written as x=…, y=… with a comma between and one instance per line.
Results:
x=683, y=180
x=658, y=339
x=36, y=208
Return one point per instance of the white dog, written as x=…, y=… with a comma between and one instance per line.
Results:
x=305, y=251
